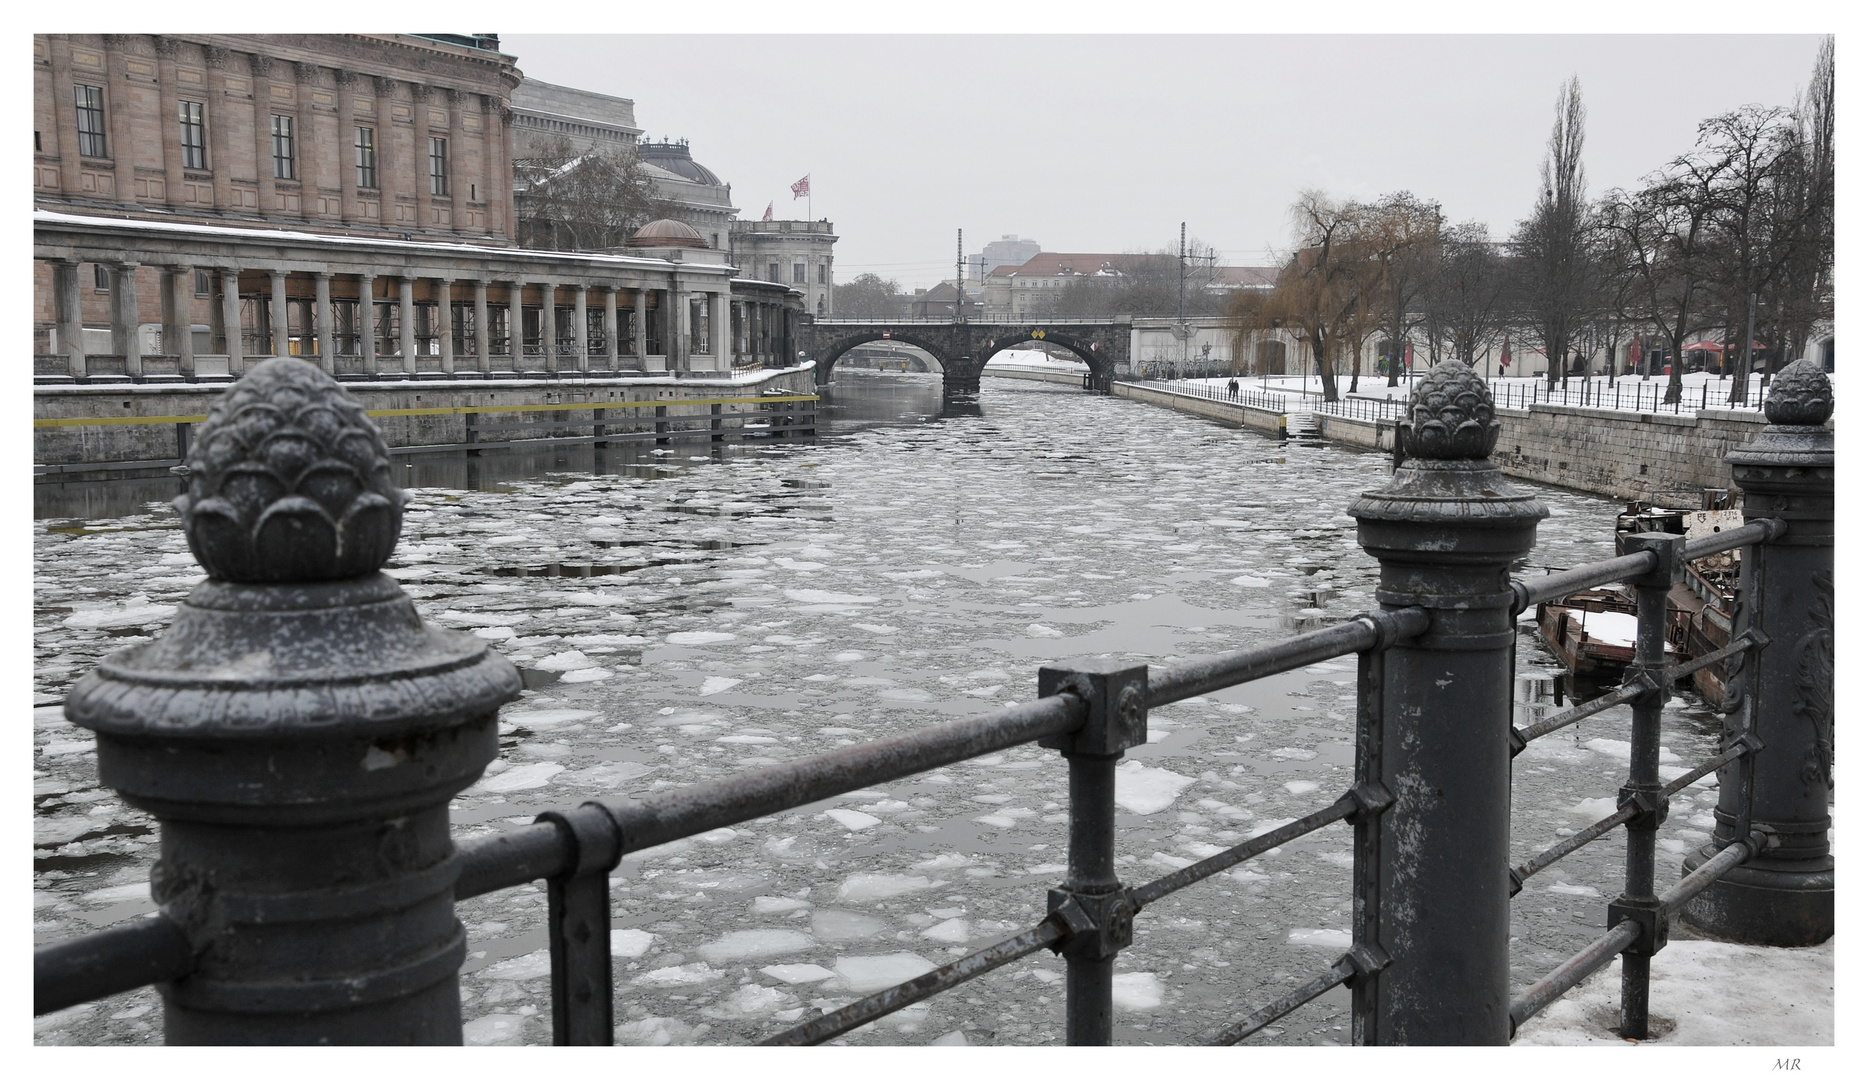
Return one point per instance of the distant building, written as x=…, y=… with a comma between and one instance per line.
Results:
x=937, y=303
x=1031, y=288
x=794, y=253
x=694, y=194
x=1008, y=250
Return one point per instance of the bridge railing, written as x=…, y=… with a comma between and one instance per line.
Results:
x=251, y=947
x=948, y=320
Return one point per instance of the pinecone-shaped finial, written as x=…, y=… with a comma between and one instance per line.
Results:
x=289, y=482
x=1800, y=396
x=1452, y=415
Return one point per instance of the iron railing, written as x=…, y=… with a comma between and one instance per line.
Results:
x=575, y=849
x=1630, y=393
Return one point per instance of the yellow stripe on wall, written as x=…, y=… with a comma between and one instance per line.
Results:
x=456, y=410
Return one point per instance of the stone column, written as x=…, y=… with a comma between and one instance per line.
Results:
x=515, y=323
x=639, y=333
x=346, y=94
x=609, y=329
x=420, y=95
x=405, y=316
x=65, y=115
x=281, y=318
x=66, y=299
x=1785, y=896
x=123, y=317
x=230, y=318
x=366, y=322
x=261, y=66
x=171, y=121
x=117, y=118
x=580, y=326
x=675, y=328
x=483, y=346
x=444, y=304
x=457, y=189
x=548, y=324
x=178, y=339
x=220, y=158
x=1446, y=530
x=721, y=333
x=389, y=179
x=310, y=145
x=321, y=319
x=498, y=175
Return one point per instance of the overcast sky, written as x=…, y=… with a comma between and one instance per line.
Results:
x=1107, y=143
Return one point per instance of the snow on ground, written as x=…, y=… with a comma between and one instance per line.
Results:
x=1706, y=993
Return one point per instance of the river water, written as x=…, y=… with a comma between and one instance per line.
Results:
x=681, y=614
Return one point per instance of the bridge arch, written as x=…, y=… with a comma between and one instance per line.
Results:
x=828, y=353
x=1102, y=366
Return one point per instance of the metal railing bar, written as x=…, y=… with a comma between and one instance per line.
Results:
x=1755, y=532
x=1142, y=895
x=973, y=965
x=1744, y=642
x=1338, y=974
x=1569, y=844
x=1710, y=871
x=1200, y=676
x=1625, y=693
x=541, y=851
x=109, y=962
x=1535, y=591
x=1572, y=972
x=1625, y=813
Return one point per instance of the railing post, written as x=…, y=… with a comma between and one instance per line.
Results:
x=1095, y=905
x=298, y=732
x=1785, y=896
x=1446, y=530
x=1637, y=900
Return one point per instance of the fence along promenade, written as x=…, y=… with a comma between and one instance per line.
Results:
x=298, y=733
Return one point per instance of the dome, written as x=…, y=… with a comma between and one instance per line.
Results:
x=675, y=157
x=665, y=233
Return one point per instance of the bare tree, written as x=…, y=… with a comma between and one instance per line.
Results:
x=1664, y=232
x=1401, y=233
x=1324, y=293
x=870, y=295
x=1552, y=244
x=1467, y=306
x=567, y=200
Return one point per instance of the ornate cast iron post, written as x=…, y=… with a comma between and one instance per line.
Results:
x=298, y=732
x=1446, y=530
x=1785, y=896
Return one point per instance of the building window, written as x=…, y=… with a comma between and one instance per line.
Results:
x=284, y=165
x=797, y=273
x=822, y=272
x=700, y=326
x=91, y=121
x=772, y=272
x=204, y=283
x=100, y=277
x=194, y=136
x=438, y=166
x=366, y=157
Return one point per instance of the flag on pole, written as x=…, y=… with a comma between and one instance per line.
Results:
x=802, y=188
x=768, y=212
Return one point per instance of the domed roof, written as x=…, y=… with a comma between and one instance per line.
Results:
x=666, y=232
x=674, y=157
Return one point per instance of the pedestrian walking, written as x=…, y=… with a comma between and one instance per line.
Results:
x=1232, y=389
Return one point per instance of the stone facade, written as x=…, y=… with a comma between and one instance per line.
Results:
x=265, y=129
x=793, y=253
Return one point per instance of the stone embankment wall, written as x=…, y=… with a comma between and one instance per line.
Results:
x=148, y=445
x=1658, y=457
x=1235, y=413
x=1034, y=375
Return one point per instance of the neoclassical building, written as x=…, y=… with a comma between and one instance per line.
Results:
x=204, y=199
x=794, y=253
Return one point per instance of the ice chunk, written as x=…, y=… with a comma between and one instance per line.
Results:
x=1250, y=582
x=546, y=718
x=831, y=924
x=946, y=861
x=875, y=628
x=854, y=820
x=699, y=637
x=796, y=974
x=742, y=945
x=867, y=974
x=494, y=1029
x=533, y=965
x=715, y=684
x=589, y=674
x=819, y=596
x=1594, y=809
x=658, y=1031
x=684, y=975
x=777, y=905
x=1564, y=888
x=1142, y=790
x=1135, y=991
x=867, y=888
x=1328, y=939
x=951, y=932
x=569, y=660
x=1300, y=787
x=630, y=943
x=1041, y=630
x=136, y=611
x=523, y=777
x=750, y=1000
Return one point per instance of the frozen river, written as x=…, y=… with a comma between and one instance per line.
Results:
x=682, y=615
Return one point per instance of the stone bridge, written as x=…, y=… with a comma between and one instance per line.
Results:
x=962, y=348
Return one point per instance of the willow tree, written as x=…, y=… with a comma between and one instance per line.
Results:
x=1324, y=294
